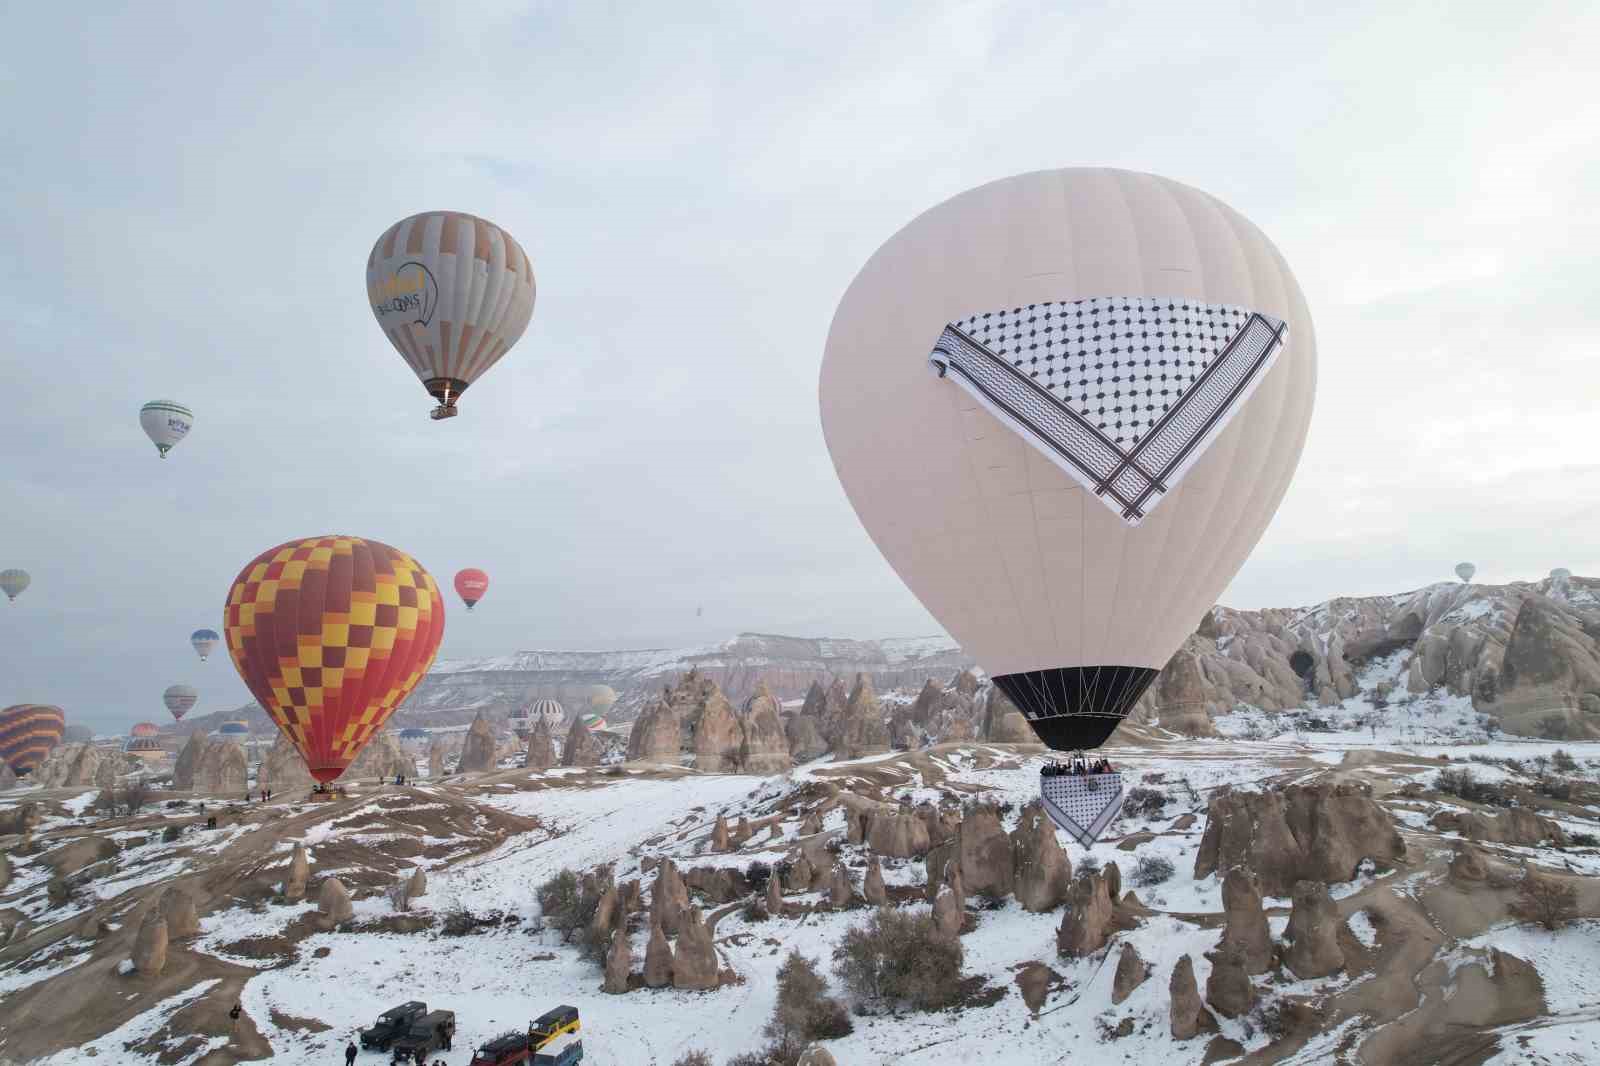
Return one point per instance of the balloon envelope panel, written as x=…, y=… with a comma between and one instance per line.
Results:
x=331, y=634
x=27, y=733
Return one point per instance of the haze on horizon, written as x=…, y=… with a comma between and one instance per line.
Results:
x=191, y=195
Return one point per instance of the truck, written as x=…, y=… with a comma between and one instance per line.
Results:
x=507, y=1049
x=390, y=1024
x=564, y=1050
x=429, y=1032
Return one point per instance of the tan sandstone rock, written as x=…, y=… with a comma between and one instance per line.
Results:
x=150, y=946
x=1313, y=943
x=1041, y=871
x=477, y=748
x=1245, y=933
x=694, y=959
x=657, y=959
x=333, y=901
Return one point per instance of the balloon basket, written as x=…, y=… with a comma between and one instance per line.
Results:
x=442, y=411
x=1082, y=804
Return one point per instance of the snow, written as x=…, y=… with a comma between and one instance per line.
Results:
x=1565, y=959
x=1361, y=925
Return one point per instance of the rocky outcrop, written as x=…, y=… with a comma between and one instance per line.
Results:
x=694, y=959
x=1313, y=943
x=283, y=769
x=1178, y=698
x=581, y=747
x=1041, y=871
x=657, y=735
x=177, y=908
x=800, y=876
x=669, y=898
x=1033, y=981
x=657, y=959
x=897, y=834
x=1318, y=832
x=873, y=888
x=541, y=753
x=8, y=776
x=382, y=759
x=774, y=895
x=948, y=914
x=719, y=836
x=1088, y=920
x=333, y=902
x=862, y=731
x=1189, y=1016
x=816, y=1055
x=841, y=893
x=1467, y=865
x=619, y=964
x=477, y=748
x=1131, y=973
x=764, y=748
x=417, y=884
x=805, y=739
x=1245, y=934
x=985, y=852
x=1228, y=989
x=69, y=766
x=150, y=946
x=221, y=769
x=717, y=736
x=436, y=760
x=832, y=714
x=1552, y=660
x=294, y=881
x=1515, y=825
x=1003, y=723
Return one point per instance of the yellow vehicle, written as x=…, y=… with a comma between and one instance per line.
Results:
x=551, y=1024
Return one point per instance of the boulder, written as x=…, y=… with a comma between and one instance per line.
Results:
x=619, y=964
x=24, y=819
x=177, y=908
x=719, y=835
x=841, y=894
x=1088, y=920
x=657, y=959
x=283, y=769
x=1319, y=832
x=985, y=851
x=875, y=891
x=1189, y=1016
x=1033, y=981
x=765, y=748
x=862, y=731
x=897, y=834
x=1468, y=865
x=694, y=960
x=150, y=946
x=416, y=884
x=1313, y=942
x=382, y=759
x=294, y=882
x=1515, y=825
x=948, y=914
x=333, y=901
x=1131, y=973
x=222, y=769
x=656, y=735
x=78, y=854
x=1245, y=934
x=669, y=898
x=541, y=753
x=1228, y=989
x=581, y=747
x=1041, y=871
x=477, y=747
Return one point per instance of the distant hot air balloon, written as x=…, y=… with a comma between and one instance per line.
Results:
x=331, y=634
x=1465, y=571
x=180, y=699
x=165, y=423
x=453, y=293
x=27, y=733
x=144, y=729
x=1561, y=573
x=594, y=721
x=1065, y=406
x=471, y=584
x=601, y=698
x=547, y=709
x=204, y=640
x=148, y=749
x=13, y=582
x=234, y=730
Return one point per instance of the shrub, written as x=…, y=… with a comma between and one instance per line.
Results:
x=755, y=910
x=804, y=1011
x=1089, y=864
x=170, y=833
x=1461, y=783
x=459, y=921
x=105, y=801
x=1557, y=788
x=1563, y=761
x=1554, y=726
x=756, y=875
x=136, y=795
x=1583, y=840
x=900, y=957
x=399, y=895
x=1546, y=901
x=564, y=908
x=694, y=1057
x=1145, y=802
x=1151, y=870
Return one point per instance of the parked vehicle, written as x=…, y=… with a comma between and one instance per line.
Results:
x=554, y=1023
x=431, y=1032
x=391, y=1024
x=564, y=1050
x=508, y=1049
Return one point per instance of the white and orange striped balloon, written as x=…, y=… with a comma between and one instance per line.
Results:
x=453, y=293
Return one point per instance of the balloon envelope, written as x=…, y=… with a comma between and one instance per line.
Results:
x=331, y=634
x=180, y=699
x=204, y=641
x=1465, y=571
x=601, y=698
x=27, y=733
x=1065, y=406
x=13, y=582
x=144, y=729
x=453, y=293
x=471, y=584
x=165, y=423
x=547, y=709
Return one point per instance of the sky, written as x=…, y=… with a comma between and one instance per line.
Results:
x=189, y=193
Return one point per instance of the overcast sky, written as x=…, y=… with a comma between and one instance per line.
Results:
x=188, y=196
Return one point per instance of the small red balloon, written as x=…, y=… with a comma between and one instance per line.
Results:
x=471, y=584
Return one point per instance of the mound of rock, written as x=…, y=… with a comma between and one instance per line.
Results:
x=333, y=902
x=1091, y=914
x=1189, y=1016
x=862, y=731
x=8, y=776
x=656, y=736
x=694, y=958
x=541, y=753
x=68, y=766
x=1041, y=871
x=283, y=768
x=1515, y=825
x=1313, y=935
x=1552, y=659
x=985, y=853
x=382, y=758
x=1318, y=832
x=1245, y=934
x=221, y=769
x=294, y=881
x=581, y=747
x=764, y=748
x=657, y=958
x=177, y=907
x=477, y=748
x=1003, y=723
x=150, y=946
x=897, y=833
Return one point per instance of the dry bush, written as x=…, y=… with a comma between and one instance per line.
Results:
x=693, y=1057
x=1461, y=783
x=900, y=957
x=804, y=1011
x=563, y=906
x=136, y=796
x=1151, y=870
x=1546, y=901
x=1145, y=802
x=1563, y=761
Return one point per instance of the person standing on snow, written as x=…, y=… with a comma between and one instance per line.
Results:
x=350, y=1053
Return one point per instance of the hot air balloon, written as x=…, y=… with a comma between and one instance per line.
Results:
x=233, y=730
x=147, y=749
x=1065, y=406
x=452, y=293
x=13, y=582
x=471, y=584
x=592, y=722
x=601, y=698
x=165, y=423
x=204, y=640
x=547, y=709
x=27, y=733
x=331, y=634
x=144, y=729
x=180, y=699
x=1561, y=573
x=1465, y=571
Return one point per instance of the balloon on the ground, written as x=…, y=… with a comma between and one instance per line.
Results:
x=180, y=699
x=148, y=749
x=144, y=729
x=1465, y=571
x=13, y=582
x=471, y=584
x=453, y=293
x=1065, y=406
x=204, y=641
x=233, y=729
x=331, y=634
x=594, y=721
x=27, y=733
x=165, y=423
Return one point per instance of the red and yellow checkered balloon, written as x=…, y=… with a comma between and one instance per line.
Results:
x=331, y=634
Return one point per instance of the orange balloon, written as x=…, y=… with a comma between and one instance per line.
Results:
x=331, y=634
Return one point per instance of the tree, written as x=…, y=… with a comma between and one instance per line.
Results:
x=804, y=1011
x=900, y=957
x=1545, y=900
x=136, y=795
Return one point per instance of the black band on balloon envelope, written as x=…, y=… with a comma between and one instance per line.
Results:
x=1075, y=708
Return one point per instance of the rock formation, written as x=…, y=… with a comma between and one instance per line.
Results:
x=985, y=853
x=177, y=908
x=294, y=882
x=477, y=748
x=1468, y=865
x=841, y=894
x=948, y=914
x=805, y=739
x=282, y=770
x=656, y=736
x=381, y=760
x=1178, y=699
x=832, y=713
x=1245, y=934
x=717, y=736
x=150, y=946
x=873, y=889
x=436, y=760
x=669, y=898
x=1087, y=921
x=1033, y=981
x=68, y=766
x=1319, y=832
x=657, y=958
x=719, y=836
x=333, y=902
x=764, y=748
x=581, y=748
x=619, y=963
x=1515, y=825
x=774, y=896
x=800, y=875
x=1228, y=989
x=1003, y=723
x=1131, y=973
x=816, y=1055
x=1189, y=1015
x=8, y=776
x=416, y=884
x=1041, y=871
x=1552, y=658
x=221, y=769
x=862, y=731
x=541, y=753
x=897, y=834
x=694, y=959
x=1313, y=943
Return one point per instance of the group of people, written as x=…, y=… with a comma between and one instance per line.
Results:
x=1077, y=766
x=420, y=1058
x=266, y=795
x=399, y=779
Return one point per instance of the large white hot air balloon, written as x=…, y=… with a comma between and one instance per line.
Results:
x=453, y=293
x=1066, y=405
x=1465, y=571
x=165, y=423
